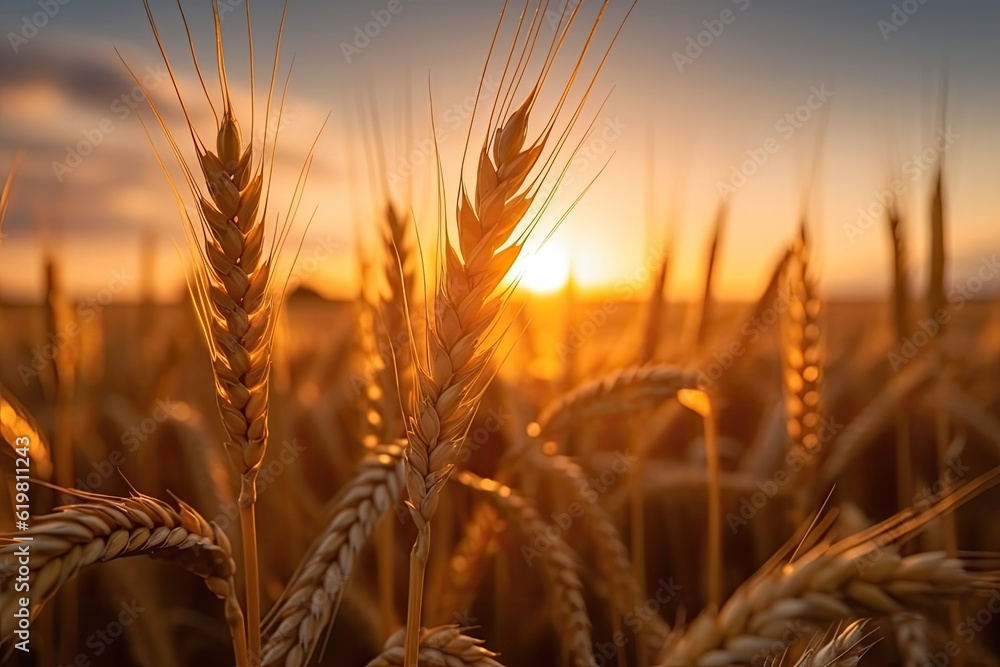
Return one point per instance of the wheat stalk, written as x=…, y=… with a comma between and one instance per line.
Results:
x=295, y=624
x=558, y=563
x=443, y=646
x=901, y=326
x=105, y=528
x=621, y=391
x=835, y=580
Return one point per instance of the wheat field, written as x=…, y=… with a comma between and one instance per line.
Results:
x=453, y=468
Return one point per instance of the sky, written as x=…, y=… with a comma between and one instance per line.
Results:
x=699, y=102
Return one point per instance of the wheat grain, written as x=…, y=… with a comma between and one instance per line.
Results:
x=105, y=528
x=844, y=649
x=444, y=646
x=835, y=580
x=295, y=624
x=622, y=391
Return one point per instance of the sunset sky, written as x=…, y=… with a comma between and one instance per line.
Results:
x=694, y=104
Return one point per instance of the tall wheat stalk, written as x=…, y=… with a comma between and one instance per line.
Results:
x=466, y=307
x=232, y=285
x=901, y=327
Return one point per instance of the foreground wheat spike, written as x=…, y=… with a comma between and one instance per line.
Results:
x=622, y=391
x=105, y=528
x=444, y=646
x=834, y=580
x=232, y=286
x=559, y=568
x=510, y=171
x=298, y=621
x=844, y=649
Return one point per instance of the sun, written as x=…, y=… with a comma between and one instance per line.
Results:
x=547, y=270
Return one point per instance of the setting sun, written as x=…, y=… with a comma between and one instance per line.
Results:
x=547, y=270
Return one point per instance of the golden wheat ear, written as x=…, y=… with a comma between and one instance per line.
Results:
x=103, y=528
x=236, y=287
x=510, y=169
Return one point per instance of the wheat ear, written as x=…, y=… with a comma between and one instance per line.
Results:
x=296, y=623
x=621, y=391
x=467, y=305
x=444, y=646
x=558, y=563
x=802, y=366
x=105, y=528
x=834, y=580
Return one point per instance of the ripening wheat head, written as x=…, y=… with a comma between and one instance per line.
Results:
x=234, y=252
x=511, y=168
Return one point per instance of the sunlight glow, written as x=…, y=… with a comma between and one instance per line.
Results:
x=547, y=270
